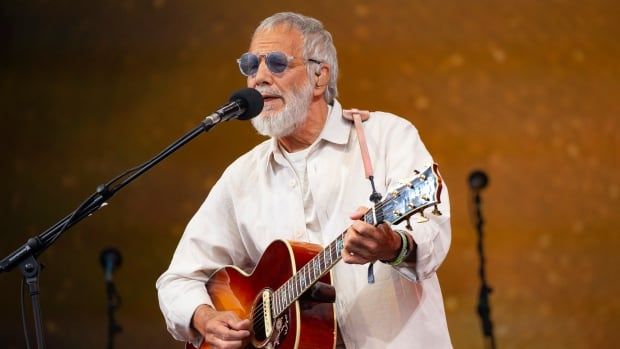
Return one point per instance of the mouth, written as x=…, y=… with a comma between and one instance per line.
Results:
x=270, y=98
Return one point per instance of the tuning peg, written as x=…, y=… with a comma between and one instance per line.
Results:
x=421, y=218
x=436, y=211
x=416, y=171
x=408, y=224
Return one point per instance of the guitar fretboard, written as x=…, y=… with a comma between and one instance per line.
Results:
x=310, y=273
x=414, y=196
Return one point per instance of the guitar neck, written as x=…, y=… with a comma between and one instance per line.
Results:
x=318, y=266
x=411, y=197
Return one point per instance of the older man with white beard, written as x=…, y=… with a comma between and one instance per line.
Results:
x=303, y=184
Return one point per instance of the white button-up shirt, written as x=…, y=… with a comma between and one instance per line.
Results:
x=258, y=200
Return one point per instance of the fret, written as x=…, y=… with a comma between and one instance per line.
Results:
x=290, y=292
x=293, y=289
x=314, y=268
x=368, y=217
x=380, y=217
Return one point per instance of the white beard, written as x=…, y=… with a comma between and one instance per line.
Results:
x=293, y=115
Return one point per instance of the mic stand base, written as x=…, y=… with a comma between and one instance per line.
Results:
x=30, y=268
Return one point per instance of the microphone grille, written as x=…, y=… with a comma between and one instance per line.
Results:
x=478, y=180
x=249, y=99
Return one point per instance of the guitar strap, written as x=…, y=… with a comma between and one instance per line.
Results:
x=358, y=116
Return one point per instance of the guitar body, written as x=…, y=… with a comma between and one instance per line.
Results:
x=305, y=324
x=274, y=297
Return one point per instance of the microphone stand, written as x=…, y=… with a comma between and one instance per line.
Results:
x=26, y=255
x=114, y=301
x=478, y=180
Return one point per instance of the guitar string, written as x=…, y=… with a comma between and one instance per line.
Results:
x=309, y=270
x=306, y=268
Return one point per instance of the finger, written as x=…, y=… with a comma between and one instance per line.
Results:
x=353, y=242
x=354, y=258
x=239, y=325
x=363, y=240
x=359, y=213
x=364, y=229
x=221, y=343
x=385, y=228
x=227, y=334
x=354, y=249
x=221, y=328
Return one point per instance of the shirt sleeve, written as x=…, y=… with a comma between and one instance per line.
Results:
x=405, y=153
x=210, y=241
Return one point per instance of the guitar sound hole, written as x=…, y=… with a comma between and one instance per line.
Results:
x=258, y=322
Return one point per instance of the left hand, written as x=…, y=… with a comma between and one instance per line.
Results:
x=365, y=243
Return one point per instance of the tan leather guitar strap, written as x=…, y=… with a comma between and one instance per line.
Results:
x=358, y=116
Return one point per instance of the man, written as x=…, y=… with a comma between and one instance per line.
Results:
x=303, y=184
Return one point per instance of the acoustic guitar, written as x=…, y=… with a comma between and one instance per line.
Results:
x=274, y=296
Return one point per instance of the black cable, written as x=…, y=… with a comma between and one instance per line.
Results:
x=21, y=302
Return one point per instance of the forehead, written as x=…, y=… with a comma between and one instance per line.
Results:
x=279, y=38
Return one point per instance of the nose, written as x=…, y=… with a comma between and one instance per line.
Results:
x=263, y=75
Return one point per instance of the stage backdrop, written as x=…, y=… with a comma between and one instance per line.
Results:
x=526, y=90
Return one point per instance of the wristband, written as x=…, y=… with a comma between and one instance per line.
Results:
x=404, y=249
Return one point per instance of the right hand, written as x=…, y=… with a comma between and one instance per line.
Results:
x=221, y=329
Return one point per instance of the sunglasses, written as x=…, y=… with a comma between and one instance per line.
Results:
x=276, y=61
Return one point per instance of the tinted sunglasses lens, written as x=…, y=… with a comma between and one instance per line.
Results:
x=276, y=62
x=248, y=64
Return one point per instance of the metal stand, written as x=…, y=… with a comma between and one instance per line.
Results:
x=30, y=268
x=478, y=180
x=114, y=302
x=25, y=255
x=484, y=306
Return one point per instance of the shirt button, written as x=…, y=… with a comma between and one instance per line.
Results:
x=292, y=183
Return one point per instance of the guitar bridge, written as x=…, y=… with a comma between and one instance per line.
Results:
x=267, y=313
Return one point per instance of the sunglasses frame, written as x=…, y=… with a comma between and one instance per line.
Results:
x=265, y=57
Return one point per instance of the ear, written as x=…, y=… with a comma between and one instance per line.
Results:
x=321, y=78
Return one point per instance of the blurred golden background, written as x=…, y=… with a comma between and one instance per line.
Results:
x=526, y=90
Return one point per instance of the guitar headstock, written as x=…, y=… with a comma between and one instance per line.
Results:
x=414, y=195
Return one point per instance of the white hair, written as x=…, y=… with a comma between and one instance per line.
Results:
x=318, y=44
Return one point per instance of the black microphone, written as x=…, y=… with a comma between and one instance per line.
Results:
x=110, y=259
x=478, y=180
x=243, y=105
